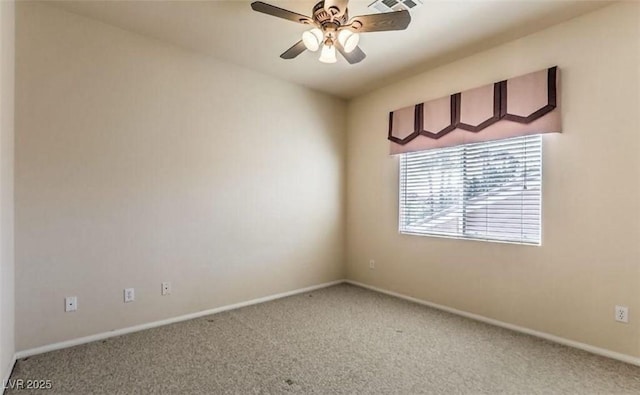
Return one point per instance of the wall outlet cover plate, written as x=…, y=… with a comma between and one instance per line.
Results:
x=129, y=295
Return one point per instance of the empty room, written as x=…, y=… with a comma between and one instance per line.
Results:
x=339, y=196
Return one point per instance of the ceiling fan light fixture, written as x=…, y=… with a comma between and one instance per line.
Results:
x=328, y=54
x=312, y=39
x=348, y=39
x=333, y=30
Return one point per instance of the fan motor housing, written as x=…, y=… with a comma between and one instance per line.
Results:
x=324, y=18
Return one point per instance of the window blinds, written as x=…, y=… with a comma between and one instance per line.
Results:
x=485, y=191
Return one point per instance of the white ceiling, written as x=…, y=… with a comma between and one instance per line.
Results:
x=440, y=32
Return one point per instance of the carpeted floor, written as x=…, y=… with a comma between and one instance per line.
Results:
x=342, y=339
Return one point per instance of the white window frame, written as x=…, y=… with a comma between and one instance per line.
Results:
x=534, y=141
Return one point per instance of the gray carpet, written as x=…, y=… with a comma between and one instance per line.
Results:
x=342, y=339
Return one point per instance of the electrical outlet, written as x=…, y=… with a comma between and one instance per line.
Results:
x=166, y=288
x=70, y=304
x=372, y=264
x=622, y=314
x=129, y=295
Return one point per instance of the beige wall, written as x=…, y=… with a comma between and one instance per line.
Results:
x=590, y=254
x=7, y=40
x=138, y=162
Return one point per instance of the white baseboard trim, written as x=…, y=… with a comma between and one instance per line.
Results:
x=556, y=339
x=119, y=332
x=155, y=324
x=7, y=376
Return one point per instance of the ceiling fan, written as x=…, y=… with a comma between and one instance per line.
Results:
x=333, y=30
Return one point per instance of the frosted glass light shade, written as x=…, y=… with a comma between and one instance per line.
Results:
x=312, y=39
x=349, y=40
x=328, y=54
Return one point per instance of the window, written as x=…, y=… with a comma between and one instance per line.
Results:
x=481, y=191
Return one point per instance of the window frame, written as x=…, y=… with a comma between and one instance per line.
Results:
x=471, y=237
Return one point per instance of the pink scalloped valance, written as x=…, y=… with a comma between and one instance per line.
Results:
x=529, y=104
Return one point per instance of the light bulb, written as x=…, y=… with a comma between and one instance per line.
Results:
x=312, y=39
x=349, y=40
x=328, y=54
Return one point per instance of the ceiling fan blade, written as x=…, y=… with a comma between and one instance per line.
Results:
x=336, y=8
x=353, y=57
x=397, y=20
x=280, y=12
x=294, y=51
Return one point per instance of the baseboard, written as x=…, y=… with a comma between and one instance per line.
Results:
x=155, y=324
x=556, y=339
x=7, y=376
x=119, y=332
